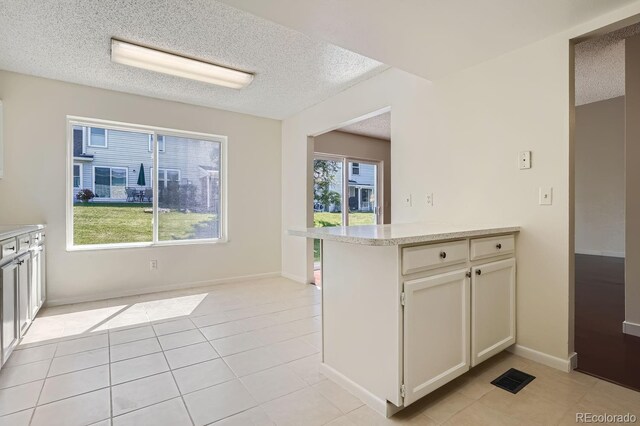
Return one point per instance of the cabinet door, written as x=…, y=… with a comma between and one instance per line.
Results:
x=493, y=309
x=24, y=313
x=436, y=332
x=34, y=281
x=9, y=283
x=43, y=275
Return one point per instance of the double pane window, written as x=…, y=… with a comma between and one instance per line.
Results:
x=120, y=199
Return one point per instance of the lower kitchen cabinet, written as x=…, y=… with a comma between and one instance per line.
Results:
x=37, y=285
x=493, y=309
x=436, y=332
x=10, y=334
x=22, y=280
x=24, y=311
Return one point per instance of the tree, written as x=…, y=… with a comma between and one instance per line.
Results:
x=324, y=174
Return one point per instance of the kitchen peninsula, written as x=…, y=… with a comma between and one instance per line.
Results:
x=407, y=308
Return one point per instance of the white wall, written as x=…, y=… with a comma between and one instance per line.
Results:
x=364, y=148
x=459, y=138
x=600, y=186
x=33, y=189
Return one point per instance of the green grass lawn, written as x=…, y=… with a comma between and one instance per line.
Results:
x=324, y=219
x=109, y=223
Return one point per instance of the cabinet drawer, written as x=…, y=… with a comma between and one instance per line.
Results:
x=36, y=238
x=430, y=256
x=24, y=241
x=493, y=246
x=8, y=248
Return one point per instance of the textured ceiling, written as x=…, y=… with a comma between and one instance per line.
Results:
x=600, y=66
x=430, y=38
x=375, y=127
x=69, y=40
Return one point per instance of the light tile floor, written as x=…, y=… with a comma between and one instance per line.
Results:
x=244, y=354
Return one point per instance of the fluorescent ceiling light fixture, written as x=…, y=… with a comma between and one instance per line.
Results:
x=180, y=66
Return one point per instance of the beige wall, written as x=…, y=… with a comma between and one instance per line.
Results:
x=632, y=178
x=599, y=185
x=459, y=137
x=33, y=189
x=364, y=148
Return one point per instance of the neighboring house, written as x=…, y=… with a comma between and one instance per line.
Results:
x=362, y=183
x=108, y=163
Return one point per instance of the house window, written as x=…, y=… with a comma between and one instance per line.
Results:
x=355, y=168
x=77, y=175
x=167, y=175
x=110, y=182
x=124, y=195
x=97, y=137
x=161, y=144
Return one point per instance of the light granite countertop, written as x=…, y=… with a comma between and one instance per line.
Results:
x=402, y=233
x=10, y=231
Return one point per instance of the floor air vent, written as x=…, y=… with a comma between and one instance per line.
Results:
x=513, y=380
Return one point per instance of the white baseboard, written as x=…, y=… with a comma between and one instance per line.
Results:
x=565, y=365
x=600, y=253
x=295, y=278
x=158, y=289
x=381, y=406
x=631, y=328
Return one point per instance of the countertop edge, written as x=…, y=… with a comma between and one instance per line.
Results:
x=19, y=230
x=407, y=240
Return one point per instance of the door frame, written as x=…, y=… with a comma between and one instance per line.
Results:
x=345, y=160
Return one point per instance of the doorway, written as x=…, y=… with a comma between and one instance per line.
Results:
x=351, y=178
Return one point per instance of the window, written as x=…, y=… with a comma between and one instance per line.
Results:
x=110, y=182
x=355, y=168
x=126, y=204
x=161, y=144
x=167, y=175
x=97, y=137
x=77, y=175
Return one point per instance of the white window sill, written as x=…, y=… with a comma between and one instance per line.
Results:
x=123, y=246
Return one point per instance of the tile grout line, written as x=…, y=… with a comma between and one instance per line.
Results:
x=175, y=381
x=110, y=380
x=42, y=388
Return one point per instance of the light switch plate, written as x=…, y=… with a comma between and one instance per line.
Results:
x=430, y=199
x=406, y=200
x=524, y=160
x=545, y=195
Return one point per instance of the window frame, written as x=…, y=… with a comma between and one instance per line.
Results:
x=355, y=166
x=73, y=175
x=106, y=138
x=164, y=144
x=153, y=131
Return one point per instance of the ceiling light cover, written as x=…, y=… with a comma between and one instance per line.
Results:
x=168, y=63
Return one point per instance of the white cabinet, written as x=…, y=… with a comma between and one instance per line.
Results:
x=36, y=280
x=24, y=313
x=436, y=332
x=22, y=281
x=493, y=309
x=9, y=282
x=400, y=321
